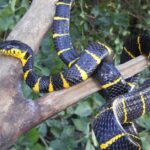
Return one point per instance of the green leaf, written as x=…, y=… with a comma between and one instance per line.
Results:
x=81, y=125
x=6, y=18
x=38, y=147
x=94, y=140
x=83, y=109
x=33, y=135
x=54, y=123
x=68, y=131
x=3, y=3
x=56, y=132
x=96, y=11
x=12, y=4
x=43, y=129
x=89, y=146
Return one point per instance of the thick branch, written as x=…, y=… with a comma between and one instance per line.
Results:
x=17, y=114
x=35, y=23
x=58, y=101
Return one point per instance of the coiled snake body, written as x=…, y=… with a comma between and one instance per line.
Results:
x=112, y=126
x=95, y=53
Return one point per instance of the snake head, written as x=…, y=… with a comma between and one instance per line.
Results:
x=18, y=50
x=106, y=73
x=14, y=44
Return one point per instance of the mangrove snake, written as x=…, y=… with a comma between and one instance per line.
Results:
x=112, y=126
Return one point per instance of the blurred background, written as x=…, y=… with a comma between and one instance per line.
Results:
x=109, y=21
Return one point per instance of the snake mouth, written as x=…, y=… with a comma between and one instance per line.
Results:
x=132, y=137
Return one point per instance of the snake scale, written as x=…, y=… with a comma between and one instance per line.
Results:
x=113, y=125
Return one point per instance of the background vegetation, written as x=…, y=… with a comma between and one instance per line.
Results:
x=109, y=21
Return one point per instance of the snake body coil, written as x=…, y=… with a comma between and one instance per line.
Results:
x=80, y=66
x=61, y=33
x=109, y=130
x=113, y=125
x=83, y=68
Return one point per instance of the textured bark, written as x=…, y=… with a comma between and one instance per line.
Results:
x=17, y=114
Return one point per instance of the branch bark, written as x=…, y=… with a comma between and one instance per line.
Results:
x=18, y=114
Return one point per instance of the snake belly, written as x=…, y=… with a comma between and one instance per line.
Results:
x=113, y=125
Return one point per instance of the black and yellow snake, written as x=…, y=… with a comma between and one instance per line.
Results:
x=113, y=127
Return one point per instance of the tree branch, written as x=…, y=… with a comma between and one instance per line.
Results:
x=17, y=114
x=58, y=101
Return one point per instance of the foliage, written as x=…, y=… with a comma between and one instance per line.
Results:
x=109, y=21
